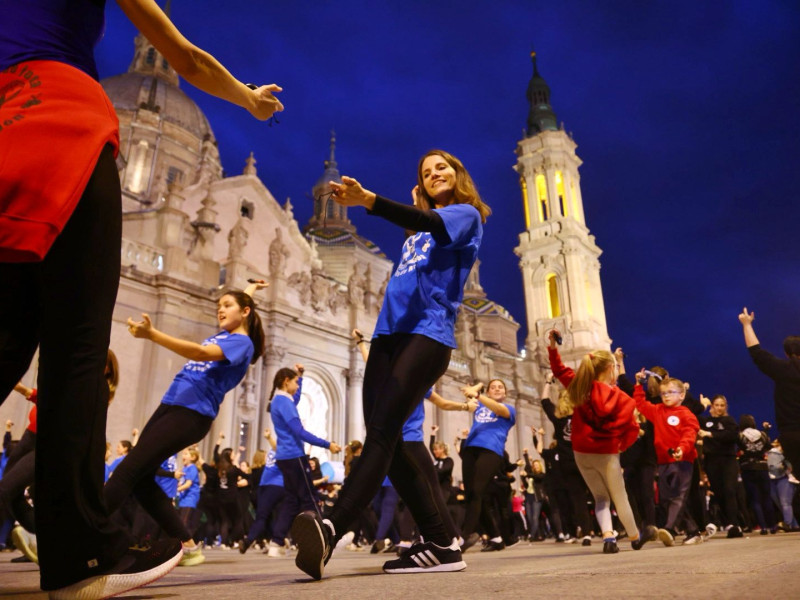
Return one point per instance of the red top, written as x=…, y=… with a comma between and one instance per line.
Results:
x=54, y=122
x=674, y=427
x=32, y=415
x=604, y=424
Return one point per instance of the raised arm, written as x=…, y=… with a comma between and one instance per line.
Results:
x=271, y=439
x=472, y=392
x=746, y=319
x=186, y=349
x=360, y=343
x=450, y=404
x=197, y=66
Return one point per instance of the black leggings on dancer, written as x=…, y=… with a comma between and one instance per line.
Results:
x=400, y=369
x=479, y=466
x=64, y=305
x=18, y=475
x=169, y=430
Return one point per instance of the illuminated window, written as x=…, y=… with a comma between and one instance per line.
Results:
x=541, y=199
x=150, y=57
x=573, y=196
x=562, y=198
x=553, y=303
x=523, y=184
x=137, y=173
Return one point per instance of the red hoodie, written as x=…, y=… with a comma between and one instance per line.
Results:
x=604, y=424
x=674, y=427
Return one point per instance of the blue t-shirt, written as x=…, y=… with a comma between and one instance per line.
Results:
x=113, y=465
x=489, y=430
x=61, y=30
x=189, y=497
x=425, y=291
x=289, y=430
x=271, y=475
x=169, y=484
x=412, y=428
x=201, y=386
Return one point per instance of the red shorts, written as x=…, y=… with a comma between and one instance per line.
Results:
x=54, y=122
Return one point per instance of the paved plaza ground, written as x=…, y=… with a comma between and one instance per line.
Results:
x=754, y=567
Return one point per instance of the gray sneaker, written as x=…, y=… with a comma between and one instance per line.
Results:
x=666, y=537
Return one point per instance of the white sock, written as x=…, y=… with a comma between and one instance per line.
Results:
x=497, y=540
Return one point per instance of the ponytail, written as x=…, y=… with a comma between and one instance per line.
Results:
x=255, y=331
x=591, y=366
x=654, y=381
x=277, y=382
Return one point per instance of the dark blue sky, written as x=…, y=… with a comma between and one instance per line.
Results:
x=686, y=116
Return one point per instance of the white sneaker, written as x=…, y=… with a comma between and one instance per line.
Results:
x=695, y=539
x=346, y=540
x=275, y=550
x=711, y=530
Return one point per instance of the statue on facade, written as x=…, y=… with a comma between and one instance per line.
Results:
x=301, y=281
x=320, y=290
x=237, y=240
x=355, y=288
x=278, y=253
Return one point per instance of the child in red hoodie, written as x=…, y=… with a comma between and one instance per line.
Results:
x=675, y=430
x=602, y=427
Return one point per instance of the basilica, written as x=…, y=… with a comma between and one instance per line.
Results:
x=190, y=232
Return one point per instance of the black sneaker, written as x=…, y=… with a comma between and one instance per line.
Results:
x=735, y=532
x=391, y=547
x=587, y=541
x=610, y=547
x=136, y=568
x=313, y=540
x=493, y=546
x=377, y=546
x=650, y=533
x=425, y=557
x=472, y=539
x=244, y=545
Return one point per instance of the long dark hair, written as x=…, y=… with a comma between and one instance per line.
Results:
x=224, y=464
x=281, y=376
x=255, y=331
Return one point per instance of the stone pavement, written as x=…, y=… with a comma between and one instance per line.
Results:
x=754, y=567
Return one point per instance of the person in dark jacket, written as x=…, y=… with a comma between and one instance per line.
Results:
x=754, y=445
x=786, y=375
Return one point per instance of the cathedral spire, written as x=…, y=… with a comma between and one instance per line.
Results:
x=328, y=214
x=541, y=116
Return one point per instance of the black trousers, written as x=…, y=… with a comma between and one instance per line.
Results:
x=64, y=305
x=271, y=499
x=639, y=483
x=300, y=492
x=169, y=430
x=478, y=467
x=723, y=474
x=400, y=369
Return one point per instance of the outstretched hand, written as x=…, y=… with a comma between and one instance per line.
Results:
x=264, y=103
x=141, y=329
x=350, y=193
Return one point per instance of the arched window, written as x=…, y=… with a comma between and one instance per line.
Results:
x=561, y=195
x=313, y=409
x=541, y=199
x=150, y=57
x=553, y=302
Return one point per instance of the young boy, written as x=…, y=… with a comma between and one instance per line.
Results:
x=675, y=429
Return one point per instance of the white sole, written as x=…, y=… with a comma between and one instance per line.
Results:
x=107, y=586
x=443, y=568
x=308, y=536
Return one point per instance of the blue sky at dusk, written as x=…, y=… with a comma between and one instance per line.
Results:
x=686, y=115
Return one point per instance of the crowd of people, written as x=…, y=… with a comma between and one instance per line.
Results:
x=158, y=503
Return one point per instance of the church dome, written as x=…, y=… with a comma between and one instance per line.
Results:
x=130, y=91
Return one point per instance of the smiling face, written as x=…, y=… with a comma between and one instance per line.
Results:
x=497, y=390
x=438, y=179
x=229, y=314
x=719, y=407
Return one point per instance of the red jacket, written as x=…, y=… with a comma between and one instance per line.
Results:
x=674, y=426
x=604, y=424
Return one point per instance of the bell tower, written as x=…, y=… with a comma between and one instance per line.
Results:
x=558, y=256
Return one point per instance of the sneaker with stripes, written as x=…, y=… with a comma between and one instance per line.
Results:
x=425, y=557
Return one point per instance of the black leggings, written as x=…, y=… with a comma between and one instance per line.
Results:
x=169, y=430
x=479, y=466
x=400, y=369
x=64, y=305
x=17, y=476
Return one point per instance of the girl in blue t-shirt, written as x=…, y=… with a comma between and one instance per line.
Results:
x=189, y=407
x=411, y=346
x=290, y=455
x=189, y=489
x=482, y=458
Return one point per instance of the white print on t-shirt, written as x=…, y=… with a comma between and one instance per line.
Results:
x=410, y=257
x=709, y=424
x=200, y=366
x=568, y=431
x=673, y=420
x=484, y=415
